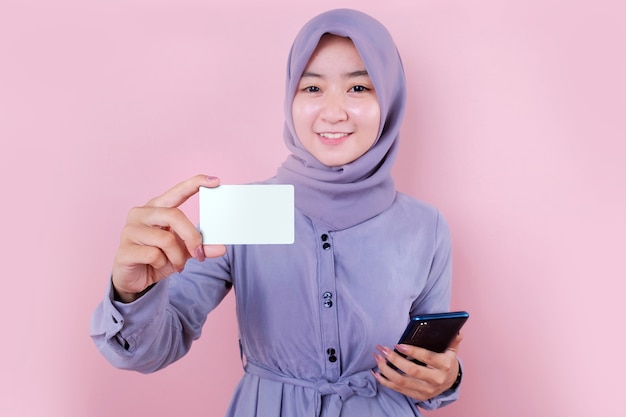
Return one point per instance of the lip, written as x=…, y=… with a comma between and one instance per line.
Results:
x=333, y=138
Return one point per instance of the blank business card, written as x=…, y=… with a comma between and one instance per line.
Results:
x=247, y=214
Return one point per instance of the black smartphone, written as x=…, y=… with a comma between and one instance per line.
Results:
x=434, y=332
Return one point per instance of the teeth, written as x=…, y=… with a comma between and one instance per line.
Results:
x=333, y=135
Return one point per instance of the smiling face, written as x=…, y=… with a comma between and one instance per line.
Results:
x=335, y=110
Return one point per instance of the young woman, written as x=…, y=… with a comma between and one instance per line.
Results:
x=318, y=319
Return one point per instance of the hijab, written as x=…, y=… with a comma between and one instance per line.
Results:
x=344, y=196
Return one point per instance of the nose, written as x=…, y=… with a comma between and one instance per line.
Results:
x=333, y=109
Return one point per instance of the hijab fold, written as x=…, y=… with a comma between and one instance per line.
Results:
x=342, y=197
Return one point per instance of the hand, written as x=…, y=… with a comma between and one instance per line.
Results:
x=417, y=381
x=158, y=239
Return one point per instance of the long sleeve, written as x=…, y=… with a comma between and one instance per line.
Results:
x=159, y=328
x=436, y=296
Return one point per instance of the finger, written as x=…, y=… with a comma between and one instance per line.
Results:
x=400, y=364
x=138, y=255
x=387, y=369
x=410, y=366
x=170, y=220
x=181, y=192
x=422, y=355
x=404, y=384
x=138, y=267
x=439, y=366
x=167, y=242
x=212, y=251
x=456, y=342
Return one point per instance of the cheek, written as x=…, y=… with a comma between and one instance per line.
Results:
x=375, y=118
x=369, y=118
x=301, y=113
x=303, y=116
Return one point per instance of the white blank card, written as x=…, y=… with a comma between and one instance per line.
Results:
x=247, y=214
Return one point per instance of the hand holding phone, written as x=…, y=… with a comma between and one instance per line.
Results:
x=434, y=332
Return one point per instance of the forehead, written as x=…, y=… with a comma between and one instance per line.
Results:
x=330, y=39
x=335, y=51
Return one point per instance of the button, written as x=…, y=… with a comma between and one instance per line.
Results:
x=326, y=246
x=331, y=351
x=324, y=237
x=328, y=302
x=332, y=358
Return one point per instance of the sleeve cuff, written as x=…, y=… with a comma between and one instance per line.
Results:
x=121, y=324
x=447, y=397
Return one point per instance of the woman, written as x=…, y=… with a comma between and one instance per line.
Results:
x=316, y=317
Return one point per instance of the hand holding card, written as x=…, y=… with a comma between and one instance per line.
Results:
x=158, y=239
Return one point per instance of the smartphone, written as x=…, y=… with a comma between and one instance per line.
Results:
x=434, y=332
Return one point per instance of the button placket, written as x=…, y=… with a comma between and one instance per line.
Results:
x=328, y=305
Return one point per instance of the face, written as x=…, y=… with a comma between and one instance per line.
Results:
x=335, y=110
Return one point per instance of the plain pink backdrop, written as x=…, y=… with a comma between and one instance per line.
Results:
x=515, y=129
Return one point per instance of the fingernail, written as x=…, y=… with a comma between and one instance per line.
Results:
x=200, y=254
x=385, y=351
x=401, y=348
x=211, y=178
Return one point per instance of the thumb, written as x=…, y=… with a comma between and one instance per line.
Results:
x=456, y=342
x=213, y=251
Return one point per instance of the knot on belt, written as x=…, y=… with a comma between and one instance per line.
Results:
x=361, y=383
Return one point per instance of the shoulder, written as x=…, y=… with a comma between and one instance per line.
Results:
x=413, y=206
x=414, y=214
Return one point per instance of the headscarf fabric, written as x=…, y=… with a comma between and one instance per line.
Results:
x=344, y=196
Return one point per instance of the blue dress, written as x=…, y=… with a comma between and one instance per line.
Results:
x=310, y=314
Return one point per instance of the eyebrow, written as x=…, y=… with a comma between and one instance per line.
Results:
x=353, y=74
x=359, y=73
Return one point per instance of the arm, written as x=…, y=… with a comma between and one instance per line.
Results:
x=159, y=328
x=148, y=319
x=430, y=385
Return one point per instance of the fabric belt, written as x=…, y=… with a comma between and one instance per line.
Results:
x=361, y=383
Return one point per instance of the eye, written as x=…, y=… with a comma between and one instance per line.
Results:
x=311, y=89
x=359, y=89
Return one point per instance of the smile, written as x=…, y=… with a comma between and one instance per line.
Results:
x=333, y=135
x=333, y=139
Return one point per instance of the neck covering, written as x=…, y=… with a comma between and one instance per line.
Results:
x=344, y=196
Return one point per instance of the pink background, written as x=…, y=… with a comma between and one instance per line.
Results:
x=515, y=129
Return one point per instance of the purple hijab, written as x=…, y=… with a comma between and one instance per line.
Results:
x=342, y=197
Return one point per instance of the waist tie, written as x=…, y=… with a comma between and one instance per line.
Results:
x=361, y=383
